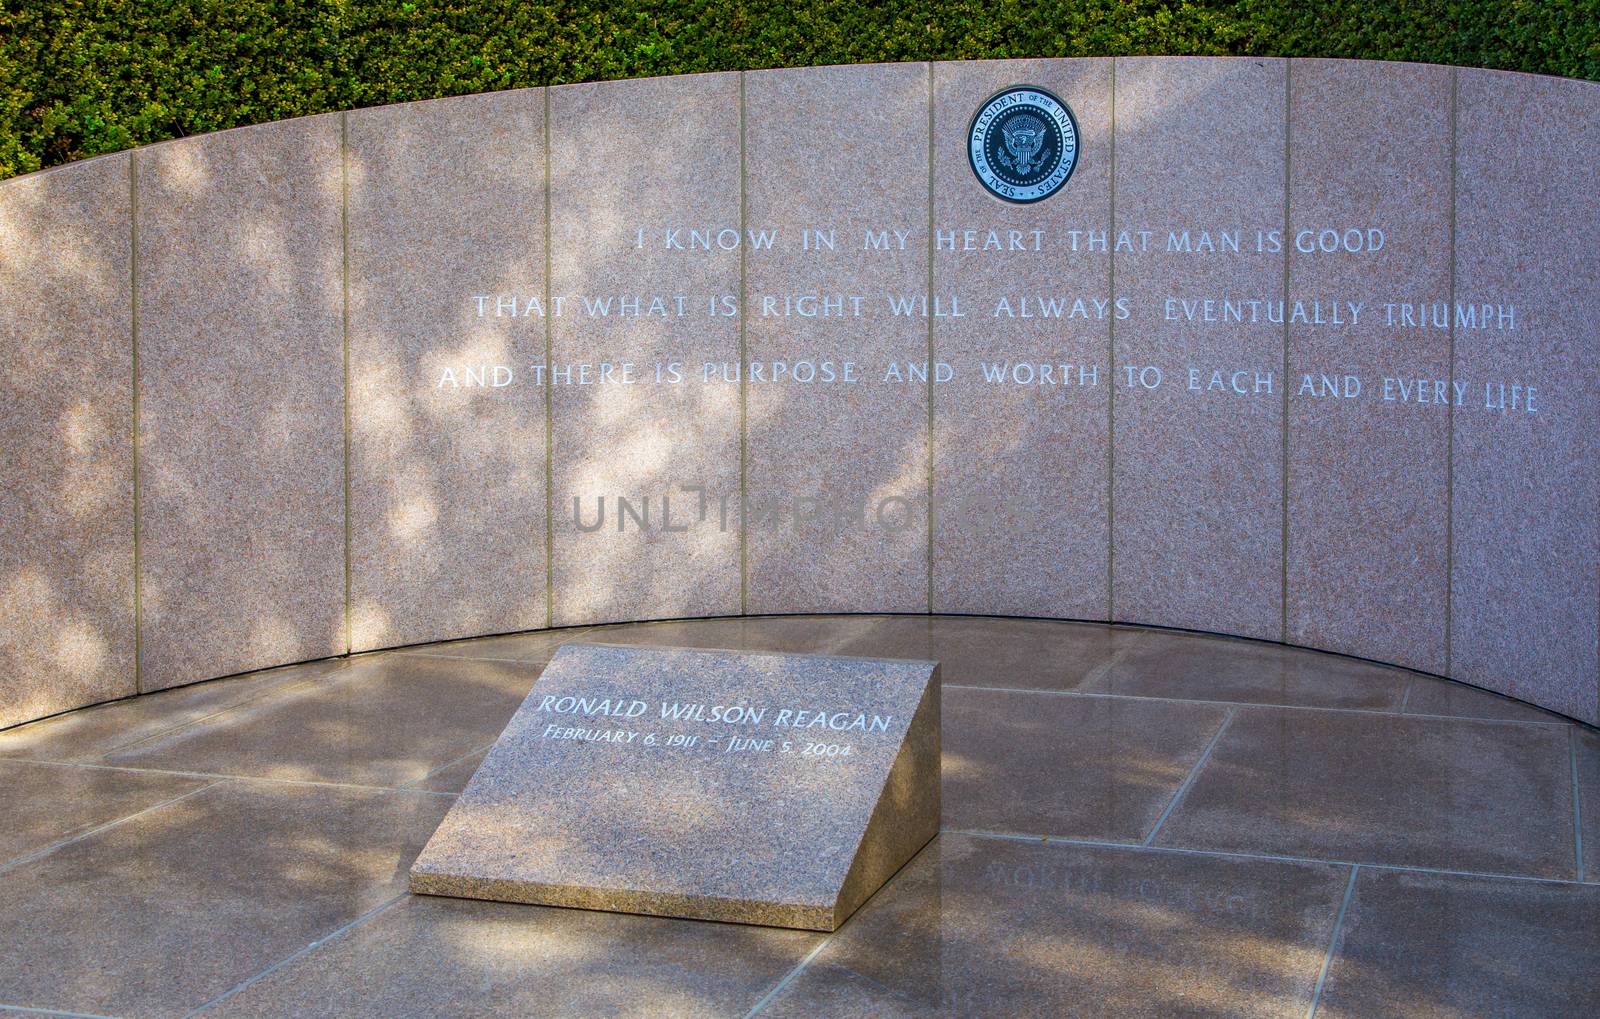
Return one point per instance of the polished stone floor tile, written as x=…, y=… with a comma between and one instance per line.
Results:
x=1491, y=797
x=180, y=900
x=390, y=720
x=1586, y=761
x=987, y=927
x=1219, y=669
x=162, y=913
x=1027, y=654
x=427, y=956
x=1079, y=767
x=44, y=803
x=90, y=733
x=1431, y=696
x=535, y=646
x=1440, y=945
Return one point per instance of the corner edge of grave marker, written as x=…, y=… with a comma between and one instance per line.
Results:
x=892, y=836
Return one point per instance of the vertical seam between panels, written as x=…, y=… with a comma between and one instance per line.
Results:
x=744, y=438
x=1111, y=372
x=1283, y=507
x=549, y=393
x=1450, y=406
x=133, y=324
x=344, y=327
x=928, y=381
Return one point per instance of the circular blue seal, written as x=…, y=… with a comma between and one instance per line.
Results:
x=1023, y=144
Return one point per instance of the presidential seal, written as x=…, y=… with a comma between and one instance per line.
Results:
x=1023, y=144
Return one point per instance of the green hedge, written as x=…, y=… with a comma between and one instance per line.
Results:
x=82, y=78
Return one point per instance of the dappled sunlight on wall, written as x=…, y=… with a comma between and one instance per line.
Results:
x=822, y=168
x=66, y=441
x=645, y=476
x=447, y=478
x=368, y=371
x=241, y=390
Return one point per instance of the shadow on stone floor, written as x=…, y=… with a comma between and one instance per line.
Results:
x=139, y=887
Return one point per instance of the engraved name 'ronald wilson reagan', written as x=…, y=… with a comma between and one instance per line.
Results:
x=755, y=788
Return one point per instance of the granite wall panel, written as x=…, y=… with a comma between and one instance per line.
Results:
x=696, y=339
x=1525, y=565
x=66, y=440
x=1021, y=430
x=241, y=412
x=837, y=471
x=645, y=237
x=1197, y=488
x=1368, y=445
x=446, y=222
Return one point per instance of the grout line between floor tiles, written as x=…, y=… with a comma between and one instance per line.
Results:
x=1090, y=678
x=44, y=851
x=352, y=786
x=334, y=660
x=1096, y=695
x=313, y=946
x=446, y=766
x=766, y=999
x=1333, y=942
x=168, y=731
x=54, y=1011
x=1234, y=854
x=470, y=658
x=1188, y=780
x=1058, y=840
x=287, y=686
x=1577, y=800
x=219, y=778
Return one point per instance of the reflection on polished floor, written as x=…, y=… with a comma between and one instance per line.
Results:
x=1136, y=822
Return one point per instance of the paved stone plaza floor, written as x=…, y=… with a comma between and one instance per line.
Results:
x=1136, y=822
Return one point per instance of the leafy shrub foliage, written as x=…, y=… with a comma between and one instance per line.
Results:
x=83, y=77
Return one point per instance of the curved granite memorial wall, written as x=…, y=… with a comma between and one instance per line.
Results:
x=1303, y=351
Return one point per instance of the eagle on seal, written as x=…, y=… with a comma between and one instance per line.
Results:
x=1024, y=137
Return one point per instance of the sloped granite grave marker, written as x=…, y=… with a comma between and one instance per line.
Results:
x=756, y=788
